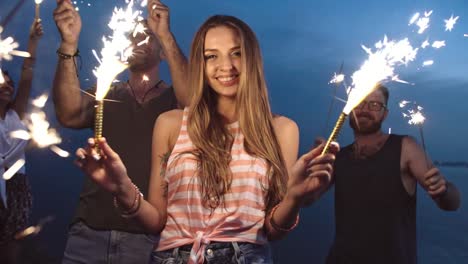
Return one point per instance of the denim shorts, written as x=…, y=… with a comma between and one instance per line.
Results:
x=217, y=253
x=90, y=246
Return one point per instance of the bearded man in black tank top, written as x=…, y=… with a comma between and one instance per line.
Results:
x=375, y=190
x=99, y=232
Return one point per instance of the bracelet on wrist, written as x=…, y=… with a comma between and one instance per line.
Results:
x=279, y=228
x=133, y=210
x=65, y=56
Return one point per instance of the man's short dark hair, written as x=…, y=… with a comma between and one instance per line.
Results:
x=384, y=91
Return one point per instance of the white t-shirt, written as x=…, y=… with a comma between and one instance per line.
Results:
x=11, y=149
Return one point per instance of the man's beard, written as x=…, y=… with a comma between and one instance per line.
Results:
x=141, y=65
x=371, y=127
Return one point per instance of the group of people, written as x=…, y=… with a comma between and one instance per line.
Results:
x=202, y=171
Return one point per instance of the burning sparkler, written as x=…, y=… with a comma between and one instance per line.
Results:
x=438, y=44
x=338, y=78
x=34, y=230
x=428, y=63
x=425, y=44
x=449, y=23
x=115, y=53
x=8, y=50
x=421, y=22
x=38, y=129
x=377, y=68
x=38, y=3
x=413, y=112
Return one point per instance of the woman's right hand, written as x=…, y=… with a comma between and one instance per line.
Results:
x=105, y=168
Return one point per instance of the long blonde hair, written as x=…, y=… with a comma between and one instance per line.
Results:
x=208, y=132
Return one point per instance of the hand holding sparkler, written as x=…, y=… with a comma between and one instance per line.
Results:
x=36, y=31
x=108, y=170
x=434, y=182
x=68, y=22
x=158, y=18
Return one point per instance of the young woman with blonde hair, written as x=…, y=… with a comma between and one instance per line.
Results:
x=225, y=176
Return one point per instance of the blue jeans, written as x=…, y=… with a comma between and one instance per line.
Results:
x=88, y=246
x=217, y=253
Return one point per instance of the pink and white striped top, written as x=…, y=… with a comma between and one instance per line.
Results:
x=189, y=222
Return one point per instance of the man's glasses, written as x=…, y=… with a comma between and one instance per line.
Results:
x=371, y=105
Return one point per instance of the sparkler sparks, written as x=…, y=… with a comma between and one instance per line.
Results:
x=421, y=22
x=449, y=23
x=117, y=48
x=428, y=63
x=8, y=50
x=425, y=44
x=38, y=129
x=438, y=44
x=13, y=169
x=75, y=3
x=379, y=67
x=33, y=230
x=337, y=78
x=115, y=53
x=413, y=112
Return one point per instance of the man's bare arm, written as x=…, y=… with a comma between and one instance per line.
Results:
x=72, y=108
x=444, y=193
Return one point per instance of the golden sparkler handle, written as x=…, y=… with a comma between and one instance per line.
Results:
x=335, y=132
x=98, y=123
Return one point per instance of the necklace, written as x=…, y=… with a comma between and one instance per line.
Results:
x=156, y=86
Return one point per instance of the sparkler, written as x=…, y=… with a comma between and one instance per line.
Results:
x=438, y=44
x=449, y=23
x=416, y=117
x=337, y=80
x=38, y=3
x=421, y=22
x=428, y=63
x=377, y=68
x=380, y=65
x=13, y=169
x=8, y=50
x=38, y=129
x=425, y=44
x=115, y=53
x=33, y=230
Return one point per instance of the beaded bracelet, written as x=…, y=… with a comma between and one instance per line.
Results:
x=279, y=228
x=67, y=56
x=135, y=206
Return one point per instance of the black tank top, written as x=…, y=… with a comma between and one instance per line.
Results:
x=128, y=128
x=375, y=216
